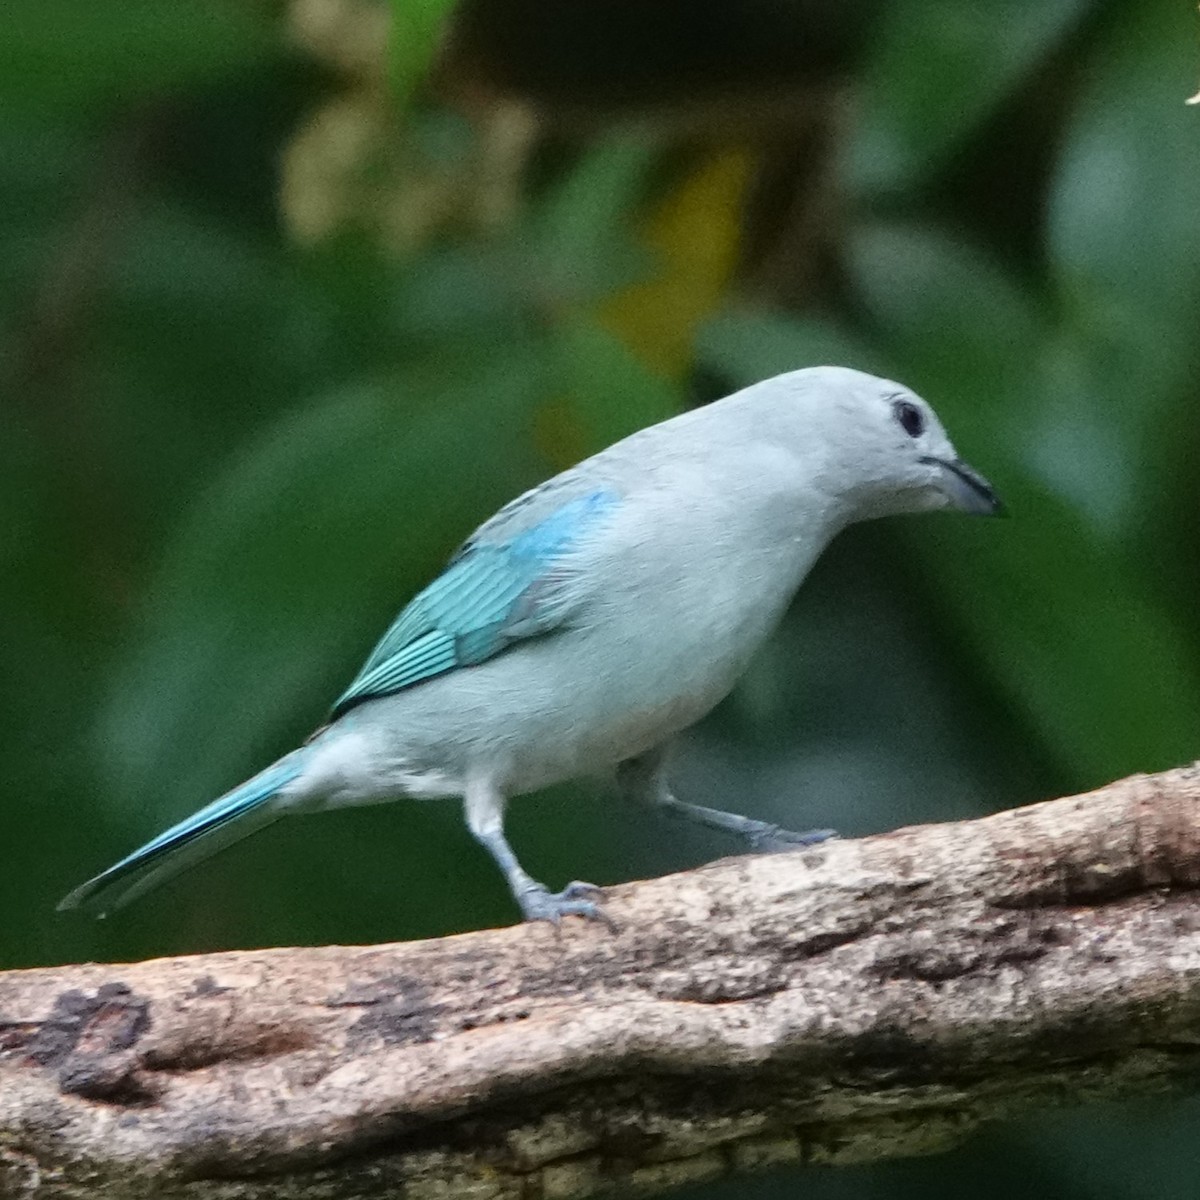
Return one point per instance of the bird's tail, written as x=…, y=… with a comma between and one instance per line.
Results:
x=236, y=815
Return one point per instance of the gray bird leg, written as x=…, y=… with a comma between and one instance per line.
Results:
x=644, y=779
x=483, y=806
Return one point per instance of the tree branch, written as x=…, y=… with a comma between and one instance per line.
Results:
x=859, y=1000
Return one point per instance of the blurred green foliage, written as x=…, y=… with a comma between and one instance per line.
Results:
x=232, y=446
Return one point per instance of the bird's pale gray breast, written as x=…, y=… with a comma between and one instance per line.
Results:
x=667, y=619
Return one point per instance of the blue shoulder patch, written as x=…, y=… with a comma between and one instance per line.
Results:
x=491, y=595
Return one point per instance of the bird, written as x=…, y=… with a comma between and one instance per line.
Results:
x=592, y=619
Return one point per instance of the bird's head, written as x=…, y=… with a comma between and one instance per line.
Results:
x=875, y=445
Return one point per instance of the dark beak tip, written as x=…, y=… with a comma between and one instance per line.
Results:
x=996, y=506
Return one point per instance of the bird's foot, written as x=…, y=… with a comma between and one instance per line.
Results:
x=538, y=903
x=770, y=839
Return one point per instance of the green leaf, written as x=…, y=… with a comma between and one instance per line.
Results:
x=577, y=245
x=745, y=345
x=68, y=58
x=582, y=233
x=417, y=30
x=468, y=289
x=954, y=322
x=1085, y=646
x=1124, y=233
x=615, y=393
x=935, y=72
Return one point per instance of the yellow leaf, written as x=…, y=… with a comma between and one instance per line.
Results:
x=695, y=234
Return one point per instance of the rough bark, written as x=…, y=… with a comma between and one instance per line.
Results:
x=860, y=1000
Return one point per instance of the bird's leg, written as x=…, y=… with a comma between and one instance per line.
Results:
x=644, y=779
x=483, y=805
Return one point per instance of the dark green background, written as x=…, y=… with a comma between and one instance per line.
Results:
x=228, y=457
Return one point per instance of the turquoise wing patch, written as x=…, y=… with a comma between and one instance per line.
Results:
x=491, y=595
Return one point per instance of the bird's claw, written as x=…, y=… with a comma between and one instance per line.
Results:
x=577, y=889
x=575, y=900
x=773, y=840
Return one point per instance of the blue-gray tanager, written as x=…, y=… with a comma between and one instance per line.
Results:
x=595, y=617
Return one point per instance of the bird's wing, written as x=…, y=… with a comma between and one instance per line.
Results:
x=511, y=580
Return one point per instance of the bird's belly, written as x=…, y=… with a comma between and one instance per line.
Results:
x=555, y=708
x=579, y=740
x=546, y=713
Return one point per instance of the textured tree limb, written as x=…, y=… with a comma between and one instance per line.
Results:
x=860, y=1000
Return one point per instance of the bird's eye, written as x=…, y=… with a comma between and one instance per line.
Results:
x=911, y=418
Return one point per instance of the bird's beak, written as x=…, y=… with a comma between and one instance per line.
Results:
x=967, y=489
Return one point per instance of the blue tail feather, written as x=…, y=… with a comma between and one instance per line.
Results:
x=226, y=820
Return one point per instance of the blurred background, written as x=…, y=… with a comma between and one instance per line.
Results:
x=292, y=295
